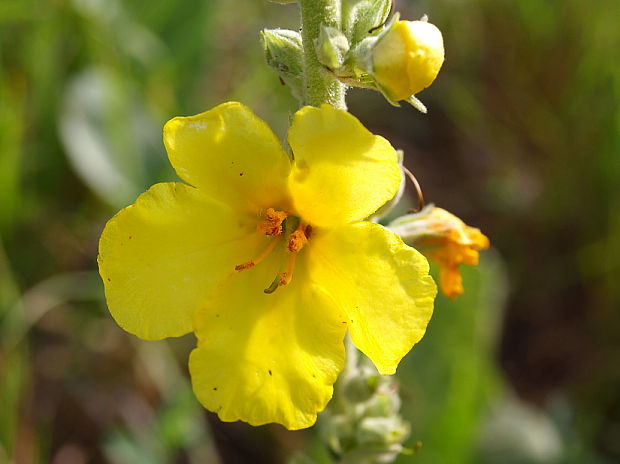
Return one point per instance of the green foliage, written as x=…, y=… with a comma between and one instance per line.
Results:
x=361, y=17
x=284, y=53
x=331, y=47
x=449, y=380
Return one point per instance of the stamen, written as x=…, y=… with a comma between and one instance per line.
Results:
x=272, y=225
x=280, y=223
x=250, y=264
x=287, y=275
x=297, y=240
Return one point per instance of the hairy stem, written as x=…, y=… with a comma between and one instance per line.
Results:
x=319, y=86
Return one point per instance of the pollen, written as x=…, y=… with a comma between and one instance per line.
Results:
x=297, y=240
x=244, y=266
x=272, y=225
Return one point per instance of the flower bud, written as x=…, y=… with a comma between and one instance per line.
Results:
x=362, y=424
x=382, y=431
x=331, y=47
x=407, y=58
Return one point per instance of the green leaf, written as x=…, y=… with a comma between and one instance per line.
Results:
x=360, y=18
x=331, y=47
x=284, y=53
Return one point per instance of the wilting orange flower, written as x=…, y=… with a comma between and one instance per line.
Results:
x=444, y=238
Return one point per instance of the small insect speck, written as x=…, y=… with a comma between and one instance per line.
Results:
x=130, y=237
x=240, y=174
x=270, y=372
x=109, y=280
x=214, y=389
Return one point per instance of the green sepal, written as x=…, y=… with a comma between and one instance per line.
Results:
x=332, y=47
x=361, y=18
x=412, y=100
x=361, y=55
x=284, y=53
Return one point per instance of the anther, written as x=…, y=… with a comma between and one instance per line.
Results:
x=244, y=266
x=272, y=225
x=280, y=223
x=297, y=240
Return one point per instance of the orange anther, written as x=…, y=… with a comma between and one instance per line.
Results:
x=297, y=240
x=244, y=266
x=272, y=225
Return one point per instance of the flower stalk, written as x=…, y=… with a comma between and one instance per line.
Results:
x=320, y=86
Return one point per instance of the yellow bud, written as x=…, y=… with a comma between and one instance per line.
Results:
x=407, y=58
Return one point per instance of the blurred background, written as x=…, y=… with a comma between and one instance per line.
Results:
x=522, y=139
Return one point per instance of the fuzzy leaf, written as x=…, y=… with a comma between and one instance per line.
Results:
x=284, y=53
x=360, y=17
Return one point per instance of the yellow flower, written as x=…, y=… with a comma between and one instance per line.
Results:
x=267, y=260
x=407, y=58
x=444, y=238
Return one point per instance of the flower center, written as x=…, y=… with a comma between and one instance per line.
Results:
x=280, y=224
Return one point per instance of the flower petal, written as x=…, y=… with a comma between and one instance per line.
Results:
x=160, y=257
x=230, y=154
x=342, y=172
x=265, y=358
x=381, y=283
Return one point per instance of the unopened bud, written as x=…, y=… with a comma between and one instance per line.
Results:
x=331, y=47
x=382, y=431
x=407, y=58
